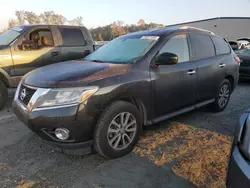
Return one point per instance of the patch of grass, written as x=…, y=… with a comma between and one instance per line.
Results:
x=26, y=184
x=3, y=166
x=200, y=155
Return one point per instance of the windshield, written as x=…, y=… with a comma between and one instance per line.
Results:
x=123, y=50
x=9, y=36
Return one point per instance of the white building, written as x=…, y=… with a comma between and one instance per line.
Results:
x=231, y=28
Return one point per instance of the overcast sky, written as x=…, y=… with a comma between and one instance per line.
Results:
x=102, y=12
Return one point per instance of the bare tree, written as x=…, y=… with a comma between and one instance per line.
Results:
x=77, y=21
x=141, y=22
x=118, y=29
x=20, y=14
x=32, y=18
x=50, y=17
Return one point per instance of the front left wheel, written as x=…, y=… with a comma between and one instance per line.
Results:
x=117, y=130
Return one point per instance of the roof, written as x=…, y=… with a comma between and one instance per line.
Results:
x=165, y=31
x=154, y=32
x=37, y=25
x=209, y=19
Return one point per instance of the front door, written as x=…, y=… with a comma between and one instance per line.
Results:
x=34, y=49
x=174, y=85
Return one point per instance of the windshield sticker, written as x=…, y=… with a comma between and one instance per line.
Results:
x=150, y=37
x=18, y=29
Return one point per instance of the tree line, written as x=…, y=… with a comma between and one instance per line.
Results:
x=104, y=33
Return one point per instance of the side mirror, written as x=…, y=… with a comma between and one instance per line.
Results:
x=166, y=59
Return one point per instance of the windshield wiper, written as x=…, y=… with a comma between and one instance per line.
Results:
x=98, y=61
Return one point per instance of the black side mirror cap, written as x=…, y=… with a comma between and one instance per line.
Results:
x=166, y=58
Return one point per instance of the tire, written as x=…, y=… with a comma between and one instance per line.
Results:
x=3, y=94
x=104, y=134
x=217, y=105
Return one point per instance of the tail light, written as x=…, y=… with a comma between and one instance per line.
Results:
x=237, y=59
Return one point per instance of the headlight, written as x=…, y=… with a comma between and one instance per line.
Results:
x=57, y=97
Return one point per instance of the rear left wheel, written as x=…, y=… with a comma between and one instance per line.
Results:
x=117, y=130
x=223, y=96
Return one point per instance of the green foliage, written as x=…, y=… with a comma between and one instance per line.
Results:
x=99, y=37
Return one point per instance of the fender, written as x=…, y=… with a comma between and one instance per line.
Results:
x=8, y=80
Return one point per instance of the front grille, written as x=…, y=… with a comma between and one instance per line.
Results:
x=245, y=63
x=25, y=94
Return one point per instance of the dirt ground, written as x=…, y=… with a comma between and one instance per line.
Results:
x=187, y=151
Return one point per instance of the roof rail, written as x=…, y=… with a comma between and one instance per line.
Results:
x=190, y=27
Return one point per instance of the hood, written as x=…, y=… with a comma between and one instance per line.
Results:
x=73, y=74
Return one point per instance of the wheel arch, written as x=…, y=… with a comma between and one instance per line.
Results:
x=135, y=101
x=4, y=78
x=231, y=80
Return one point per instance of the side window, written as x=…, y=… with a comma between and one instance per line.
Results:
x=72, y=37
x=37, y=39
x=179, y=46
x=202, y=45
x=221, y=46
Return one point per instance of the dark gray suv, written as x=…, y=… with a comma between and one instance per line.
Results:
x=139, y=79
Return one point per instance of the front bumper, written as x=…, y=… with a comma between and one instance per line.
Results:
x=72, y=117
x=238, y=171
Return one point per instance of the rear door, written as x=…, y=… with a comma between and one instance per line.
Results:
x=174, y=85
x=73, y=43
x=224, y=58
x=208, y=70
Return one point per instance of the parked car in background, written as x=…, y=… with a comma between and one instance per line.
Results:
x=244, y=56
x=98, y=44
x=234, y=45
x=25, y=48
x=239, y=164
x=240, y=44
x=138, y=79
x=243, y=44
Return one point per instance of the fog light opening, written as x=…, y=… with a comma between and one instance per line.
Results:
x=62, y=133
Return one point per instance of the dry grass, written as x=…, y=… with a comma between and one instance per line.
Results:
x=200, y=156
x=26, y=184
x=3, y=166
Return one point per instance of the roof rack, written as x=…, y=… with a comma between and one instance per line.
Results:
x=190, y=27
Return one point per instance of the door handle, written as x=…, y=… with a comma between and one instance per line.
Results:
x=53, y=54
x=222, y=65
x=191, y=72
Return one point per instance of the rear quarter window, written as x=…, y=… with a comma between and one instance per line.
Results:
x=202, y=45
x=221, y=46
x=72, y=37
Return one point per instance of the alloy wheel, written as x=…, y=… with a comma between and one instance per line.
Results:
x=122, y=131
x=224, y=95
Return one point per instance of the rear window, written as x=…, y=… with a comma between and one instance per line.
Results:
x=72, y=37
x=202, y=45
x=221, y=46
